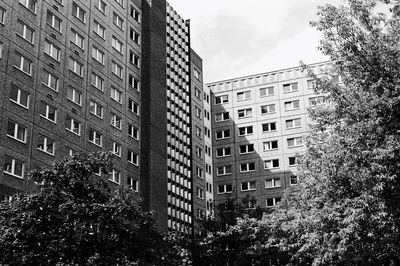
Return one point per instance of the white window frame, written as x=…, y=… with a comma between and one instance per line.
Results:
x=273, y=183
x=77, y=39
x=48, y=109
x=73, y=125
x=225, y=134
x=26, y=3
x=116, y=95
x=97, y=108
x=251, y=186
x=133, y=158
x=221, y=99
x=118, y=21
x=268, y=125
x=275, y=202
x=246, y=167
x=247, y=148
x=131, y=132
x=116, y=69
x=19, y=94
x=317, y=101
x=51, y=50
x=117, y=44
x=97, y=81
x=116, y=149
x=133, y=82
x=116, y=121
x=269, y=164
x=245, y=113
x=293, y=177
x=48, y=78
x=267, y=145
x=267, y=91
x=220, y=117
x=115, y=176
x=247, y=130
x=293, y=123
x=133, y=107
x=292, y=158
x=134, y=36
x=225, y=189
x=134, y=59
x=100, y=30
x=101, y=6
x=98, y=55
x=80, y=13
x=292, y=105
x=290, y=87
x=74, y=96
x=268, y=109
x=95, y=135
x=135, y=14
x=224, y=152
x=48, y=145
x=226, y=170
x=11, y=171
x=25, y=30
x=243, y=95
x=22, y=61
x=17, y=128
x=53, y=21
x=75, y=66
x=133, y=184
x=2, y=15
x=297, y=142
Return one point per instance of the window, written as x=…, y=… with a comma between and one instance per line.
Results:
x=207, y=114
x=98, y=55
x=29, y=4
x=133, y=132
x=268, y=91
x=244, y=95
x=2, y=15
x=133, y=106
x=320, y=100
x=199, y=151
x=97, y=81
x=199, y=132
x=222, y=152
x=199, y=172
x=19, y=97
x=246, y=186
x=274, y=182
x=16, y=131
x=292, y=161
x=197, y=112
x=116, y=149
x=208, y=168
x=272, y=202
x=245, y=130
x=221, y=117
x=270, y=145
x=310, y=84
x=95, y=137
x=78, y=12
x=291, y=105
x=116, y=69
x=293, y=142
x=45, y=144
x=24, y=64
x=118, y=21
x=291, y=87
x=247, y=148
x=115, y=176
x=96, y=109
x=133, y=82
x=197, y=93
x=53, y=21
x=269, y=164
x=48, y=112
x=133, y=157
x=293, y=123
x=134, y=36
x=1, y=49
x=221, y=99
x=196, y=74
x=269, y=127
x=52, y=50
x=116, y=95
x=293, y=180
x=116, y=121
x=120, y=2
x=99, y=29
x=74, y=95
x=73, y=125
x=49, y=80
x=133, y=184
x=247, y=167
x=75, y=67
x=223, y=134
x=116, y=44
x=224, y=170
x=77, y=39
x=199, y=193
x=207, y=97
x=268, y=109
x=245, y=113
x=25, y=32
x=135, y=14
x=13, y=167
x=101, y=6
x=224, y=189
x=134, y=59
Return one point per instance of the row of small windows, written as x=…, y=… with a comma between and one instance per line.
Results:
x=246, y=167
x=251, y=185
x=267, y=127
x=267, y=91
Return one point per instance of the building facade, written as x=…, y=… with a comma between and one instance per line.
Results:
x=258, y=123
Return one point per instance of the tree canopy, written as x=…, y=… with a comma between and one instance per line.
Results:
x=74, y=218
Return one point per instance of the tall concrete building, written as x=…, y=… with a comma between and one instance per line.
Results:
x=97, y=75
x=258, y=123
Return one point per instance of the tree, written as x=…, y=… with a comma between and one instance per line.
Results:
x=74, y=218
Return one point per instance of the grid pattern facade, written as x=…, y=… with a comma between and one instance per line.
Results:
x=69, y=81
x=179, y=124
x=258, y=123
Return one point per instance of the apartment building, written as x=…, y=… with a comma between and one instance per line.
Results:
x=258, y=123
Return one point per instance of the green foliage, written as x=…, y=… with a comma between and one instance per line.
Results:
x=74, y=218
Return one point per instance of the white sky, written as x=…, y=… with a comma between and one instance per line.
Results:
x=237, y=38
